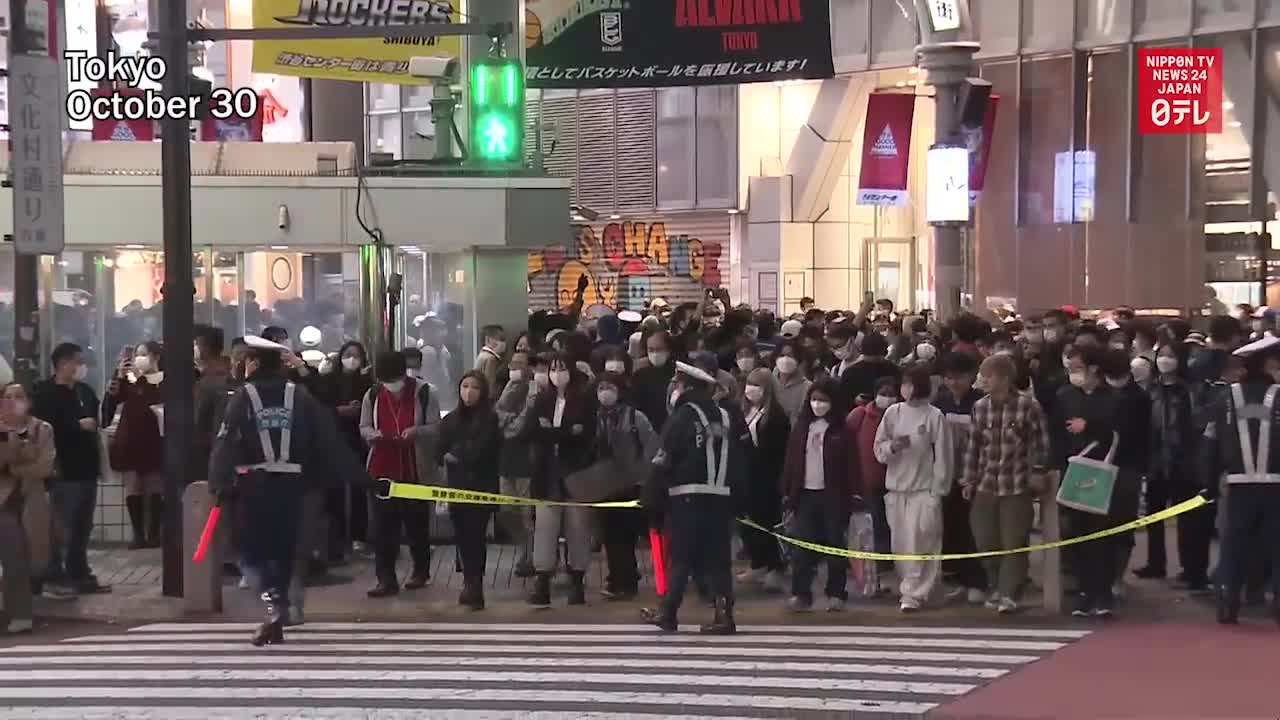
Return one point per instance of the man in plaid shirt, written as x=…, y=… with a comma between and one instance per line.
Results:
x=1008, y=441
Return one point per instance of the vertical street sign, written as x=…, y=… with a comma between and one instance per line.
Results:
x=35, y=128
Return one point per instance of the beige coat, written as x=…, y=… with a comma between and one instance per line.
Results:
x=26, y=460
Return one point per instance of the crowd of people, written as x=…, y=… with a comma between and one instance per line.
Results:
x=874, y=429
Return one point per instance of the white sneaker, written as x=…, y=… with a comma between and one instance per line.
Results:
x=797, y=604
x=908, y=606
x=993, y=601
x=775, y=582
x=1007, y=606
x=975, y=596
x=20, y=626
x=244, y=583
x=835, y=604
x=754, y=576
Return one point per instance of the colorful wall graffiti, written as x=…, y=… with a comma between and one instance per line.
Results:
x=627, y=263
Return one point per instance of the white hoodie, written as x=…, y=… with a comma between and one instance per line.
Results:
x=924, y=465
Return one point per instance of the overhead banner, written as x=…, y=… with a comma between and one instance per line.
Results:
x=120, y=129
x=980, y=148
x=886, y=149
x=629, y=43
x=376, y=60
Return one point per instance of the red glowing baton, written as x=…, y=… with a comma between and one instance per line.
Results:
x=206, y=535
x=659, y=561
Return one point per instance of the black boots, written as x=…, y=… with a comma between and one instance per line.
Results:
x=418, y=580
x=1228, y=606
x=472, y=596
x=137, y=521
x=271, y=632
x=665, y=621
x=723, y=623
x=155, y=516
x=577, y=589
x=540, y=595
x=385, y=588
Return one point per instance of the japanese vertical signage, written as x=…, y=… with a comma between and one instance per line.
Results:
x=646, y=43
x=35, y=120
x=886, y=149
x=944, y=15
x=1179, y=90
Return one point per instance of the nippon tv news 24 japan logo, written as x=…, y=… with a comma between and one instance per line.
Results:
x=1179, y=90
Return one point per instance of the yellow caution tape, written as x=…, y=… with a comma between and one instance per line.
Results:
x=1187, y=506
x=411, y=491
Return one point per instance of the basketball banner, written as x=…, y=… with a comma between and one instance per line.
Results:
x=626, y=43
x=886, y=149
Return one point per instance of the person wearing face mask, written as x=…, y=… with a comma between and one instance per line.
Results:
x=914, y=444
x=274, y=437
x=27, y=458
x=611, y=359
x=842, y=343
x=818, y=481
x=649, y=385
x=1172, y=477
x=624, y=446
x=396, y=416
x=1085, y=414
x=489, y=361
x=563, y=441
x=1133, y=424
x=1048, y=375
x=70, y=407
x=136, y=449
x=347, y=507
x=858, y=382
x=515, y=466
x=746, y=361
x=213, y=390
x=412, y=362
x=864, y=422
x=1141, y=367
x=768, y=430
x=956, y=399
x=791, y=384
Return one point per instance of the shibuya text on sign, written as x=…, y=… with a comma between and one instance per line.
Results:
x=133, y=102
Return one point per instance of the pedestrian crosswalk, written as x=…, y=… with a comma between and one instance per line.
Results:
x=496, y=671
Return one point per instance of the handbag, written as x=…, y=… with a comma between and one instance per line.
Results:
x=1088, y=484
x=611, y=477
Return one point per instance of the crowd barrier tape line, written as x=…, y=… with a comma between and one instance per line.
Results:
x=410, y=491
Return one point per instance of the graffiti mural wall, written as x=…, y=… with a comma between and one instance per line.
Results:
x=631, y=261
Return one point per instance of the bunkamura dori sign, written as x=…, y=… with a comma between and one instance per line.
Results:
x=381, y=60
x=647, y=43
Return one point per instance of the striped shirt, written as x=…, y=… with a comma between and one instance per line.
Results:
x=1007, y=440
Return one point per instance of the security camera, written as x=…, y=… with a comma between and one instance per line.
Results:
x=282, y=220
x=433, y=68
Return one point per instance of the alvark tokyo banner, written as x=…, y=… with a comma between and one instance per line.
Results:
x=379, y=60
x=648, y=43
x=886, y=149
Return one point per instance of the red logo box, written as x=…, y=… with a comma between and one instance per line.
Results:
x=1179, y=90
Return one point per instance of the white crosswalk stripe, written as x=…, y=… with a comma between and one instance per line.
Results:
x=497, y=671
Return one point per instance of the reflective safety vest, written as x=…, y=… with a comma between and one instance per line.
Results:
x=1255, y=466
x=268, y=419
x=717, y=467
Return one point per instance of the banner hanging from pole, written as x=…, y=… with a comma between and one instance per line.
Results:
x=979, y=142
x=886, y=150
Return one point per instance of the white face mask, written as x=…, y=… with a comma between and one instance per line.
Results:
x=746, y=364
x=908, y=392
x=787, y=364
x=659, y=359
x=820, y=408
x=142, y=364
x=1052, y=336
x=753, y=393
x=560, y=378
x=542, y=379
x=195, y=353
x=351, y=363
x=1119, y=346
x=515, y=375
x=607, y=397
x=82, y=372
x=1118, y=383
x=925, y=351
x=411, y=372
x=394, y=387
x=326, y=367
x=1141, y=370
x=884, y=401
x=615, y=366
x=1077, y=378
x=1166, y=365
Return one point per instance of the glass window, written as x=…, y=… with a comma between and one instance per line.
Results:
x=996, y=22
x=75, y=309
x=1099, y=174
x=894, y=33
x=1268, y=12
x=996, y=249
x=675, y=147
x=134, y=277
x=717, y=139
x=1103, y=22
x=1047, y=24
x=849, y=34
x=383, y=96
x=420, y=135
x=226, y=295
x=1161, y=18
x=418, y=97
x=295, y=290
x=1224, y=14
x=384, y=134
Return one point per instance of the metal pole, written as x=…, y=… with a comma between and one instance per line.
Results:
x=179, y=289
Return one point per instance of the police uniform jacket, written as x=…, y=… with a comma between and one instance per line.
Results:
x=1252, y=456
x=682, y=467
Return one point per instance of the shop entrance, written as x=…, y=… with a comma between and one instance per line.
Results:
x=890, y=270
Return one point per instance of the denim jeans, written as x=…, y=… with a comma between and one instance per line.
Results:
x=73, y=503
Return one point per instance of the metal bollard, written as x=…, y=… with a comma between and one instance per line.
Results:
x=202, y=591
x=1051, y=531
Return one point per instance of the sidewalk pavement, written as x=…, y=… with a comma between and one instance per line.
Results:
x=135, y=579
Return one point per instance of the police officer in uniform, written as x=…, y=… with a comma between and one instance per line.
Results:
x=270, y=425
x=691, y=487
x=1242, y=442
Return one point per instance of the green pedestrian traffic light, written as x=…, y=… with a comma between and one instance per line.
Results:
x=497, y=110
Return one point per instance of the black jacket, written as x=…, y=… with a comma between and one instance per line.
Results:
x=648, y=392
x=766, y=456
x=63, y=407
x=1173, y=435
x=1097, y=409
x=1133, y=422
x=861, y=379
x=682, y=459
x=1222, y=448
x=558, y=451
x=474, y=439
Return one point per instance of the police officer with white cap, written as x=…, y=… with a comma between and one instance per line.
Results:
x=271, y=424
x=1244, y=426
x=692, y=484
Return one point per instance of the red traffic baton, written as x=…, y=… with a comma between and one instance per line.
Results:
x=206, y=535
x=659, y=557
